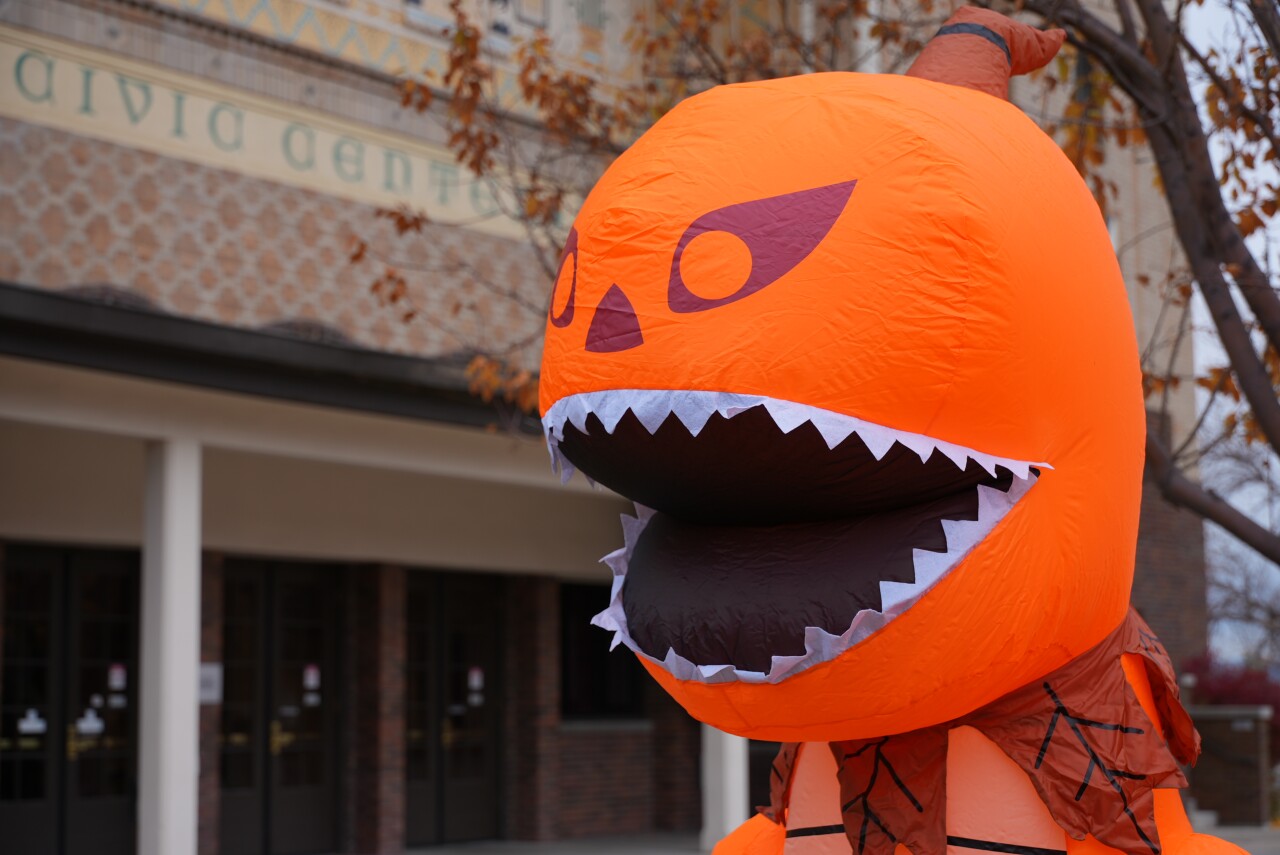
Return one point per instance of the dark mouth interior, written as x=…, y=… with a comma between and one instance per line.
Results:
x=746, y=471
x=759, y=533
x=743, y=594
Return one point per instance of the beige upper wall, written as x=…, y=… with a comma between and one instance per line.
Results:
x=290, y=480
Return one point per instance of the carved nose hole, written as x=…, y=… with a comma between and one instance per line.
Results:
x=615, y=325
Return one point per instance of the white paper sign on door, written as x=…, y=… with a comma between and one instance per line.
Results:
x=210, y=682
x=90, y=724
x=32, y=724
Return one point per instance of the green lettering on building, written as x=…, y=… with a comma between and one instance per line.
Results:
x=136, y=96
x=231, y=139
x=444, y=177
x=482, y=201
x=289, y=142
x=22, y=77
x=348, y=159
x=86, y=90
x=179, y=114
x=390, y=160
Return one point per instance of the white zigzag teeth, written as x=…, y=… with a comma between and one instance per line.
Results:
x=691, y=414
x=631, y=528
x=616, y=561
x=611, y=412
x=957, y=455
x=695, y=408
x=787, y=418
x=923, y=446
x=820, y=646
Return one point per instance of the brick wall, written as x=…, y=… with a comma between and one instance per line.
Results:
x=584, y=779
x=532, y=719
x=1, y=617
x=606, y=779
x=1231, y=776
x=210, y=714
x=217, y=245
x=631, y=777
x=1169, y=578
x=677, y=770
x=222, y=247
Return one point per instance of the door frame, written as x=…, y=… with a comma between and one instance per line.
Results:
x=64, y=661
x=436, y=583
x=267, y=654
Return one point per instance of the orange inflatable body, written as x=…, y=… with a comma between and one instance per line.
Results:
x=858, y=347
x=992, y=802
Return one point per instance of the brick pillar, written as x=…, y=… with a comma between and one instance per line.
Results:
x=379, y=738
x=210, y=786
x=1, y=620
x=1169, y=577
x=531, y=722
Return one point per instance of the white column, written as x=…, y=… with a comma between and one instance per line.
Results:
x=169, y=755
x=724, y=784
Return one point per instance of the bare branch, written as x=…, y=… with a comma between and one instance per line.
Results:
x=1260, y=120
x=1181, y=491
x=1267, y=15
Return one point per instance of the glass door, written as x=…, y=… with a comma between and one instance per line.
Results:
x=279, y=712
x=31, y=717
x=101, y=710
x=68, y=700
x=452, y=707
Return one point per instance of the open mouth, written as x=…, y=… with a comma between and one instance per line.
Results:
x=771, y=536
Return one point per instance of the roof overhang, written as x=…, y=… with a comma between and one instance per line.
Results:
x=55, y=327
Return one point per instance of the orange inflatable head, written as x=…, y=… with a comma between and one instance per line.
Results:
x=858, y=347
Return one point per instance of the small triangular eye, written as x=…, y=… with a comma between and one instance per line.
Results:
x=615, y=326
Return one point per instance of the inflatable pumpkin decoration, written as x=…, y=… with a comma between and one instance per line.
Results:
x=858, y=347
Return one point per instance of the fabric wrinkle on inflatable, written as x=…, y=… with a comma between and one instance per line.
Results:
x=859, y=348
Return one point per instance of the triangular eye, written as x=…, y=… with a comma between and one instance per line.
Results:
x=615, y=326
x=779, y=232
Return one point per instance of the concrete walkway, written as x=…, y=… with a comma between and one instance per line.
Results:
x=1256, y=841
x=646, y=844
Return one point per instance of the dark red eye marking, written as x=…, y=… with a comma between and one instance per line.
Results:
x=615, y=326
x=570, y=251
x=780, y=232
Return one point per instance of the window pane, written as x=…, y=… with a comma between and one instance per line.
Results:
x=595, y=683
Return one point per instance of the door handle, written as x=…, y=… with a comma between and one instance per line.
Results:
x=280, y=740
x=73, y=744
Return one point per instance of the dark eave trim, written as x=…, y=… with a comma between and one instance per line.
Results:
x=47, y=326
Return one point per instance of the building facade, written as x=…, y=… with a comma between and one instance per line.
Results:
x=265, y=470
x=217, y=446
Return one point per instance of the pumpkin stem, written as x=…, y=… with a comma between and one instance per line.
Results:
x=982, y=49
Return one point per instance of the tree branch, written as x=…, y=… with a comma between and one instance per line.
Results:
x=1181, y=491
x=1189, y=154
x=1260, y=120
x=1124, y=61
x=1128, y=27
x=1267, y=14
